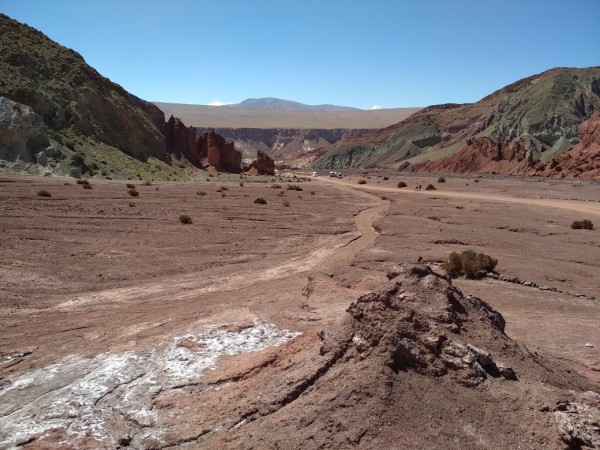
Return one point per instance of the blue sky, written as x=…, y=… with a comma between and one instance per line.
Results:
x=358, y=53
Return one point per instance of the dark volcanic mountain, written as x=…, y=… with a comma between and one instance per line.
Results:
x=533, y=119
x=73, y=107
x=289, y=105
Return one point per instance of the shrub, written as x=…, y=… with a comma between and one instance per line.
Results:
x=383, y=197
x=185, y=219
x=441, y=180
x=83, y=181
x=286, y=203
x=132, y=204
x=362, y=181
x=200, y=192
x=241, y=183
x=294, y=187
x=78, y=159
x=385, y=178
x=133, y=192
x=468, y=263
x=312, y=192
x=223, y=194
x=260, y=201
x=147, y=183
x=430, y=187
x=87, y=186
x=275, y=186
x=401, y=184
x=130, y=186
x=577, y=225
x=44, y=193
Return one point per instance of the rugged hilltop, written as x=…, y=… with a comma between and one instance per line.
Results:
x=75, y=103
x=59, y=116
x=533, y=119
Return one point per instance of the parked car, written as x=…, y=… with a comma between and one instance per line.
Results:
x=314, y=174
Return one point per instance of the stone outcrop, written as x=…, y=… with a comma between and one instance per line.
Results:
x=208, y=150
x=581, y=160
x=262, y=165
x=485, y=155
x=22, y=132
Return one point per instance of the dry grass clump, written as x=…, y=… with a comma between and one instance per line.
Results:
x=294, y=187
x=44, y=193
x=83, y=182
x=260, y=201
x=362, y=181
x=133, y=192
x=401, y=184
x=200, y=192
x=275, y=186
x=441, y=180
x=577, y=225
x=185, y=219
x=286, y=203
x=132, y=204
x=147, y=183
x=469, y=264
x=430, y=187
x=130, y=186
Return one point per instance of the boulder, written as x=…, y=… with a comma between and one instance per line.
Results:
x=22, y=132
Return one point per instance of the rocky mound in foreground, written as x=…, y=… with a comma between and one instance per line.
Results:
x=417, y=364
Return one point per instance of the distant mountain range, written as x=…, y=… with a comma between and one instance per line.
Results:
x=287, y=105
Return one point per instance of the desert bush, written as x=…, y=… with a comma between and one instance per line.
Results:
x=147, y=183
x=78, y=158
x=286, y=203
x=223, y=194
x=260, y=201
x=132, y=204
x=83, y=181
x=200, y=192
x=185, y=219
x=401, y=184
x=275, y=186
x=241, y=183
x=43, y=193
x=133, y=192
x=385, y=178
x=577, y=225
x=469, y=263
x=383, y=197
x=87, y=186
x=476, y=181
x=362, y=181
x=430, y=187
x=312, y=192
x=294, y=187
x=130, y=186
x=441, y=180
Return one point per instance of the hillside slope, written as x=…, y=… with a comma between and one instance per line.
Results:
x=71, y=108
x=541, y=112
x=280, y=104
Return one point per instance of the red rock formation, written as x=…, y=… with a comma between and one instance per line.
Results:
x=581, y=160
x=262, y=165
x=209, y=150
x=484, y=155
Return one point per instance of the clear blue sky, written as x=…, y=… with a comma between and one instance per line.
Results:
x=360, y=53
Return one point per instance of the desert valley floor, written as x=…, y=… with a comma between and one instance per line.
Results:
x=123, y=327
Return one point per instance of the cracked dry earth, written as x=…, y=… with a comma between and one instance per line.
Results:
x=268, y=326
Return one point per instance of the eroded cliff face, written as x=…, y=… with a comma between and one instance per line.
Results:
x=282, y=144
x=581, y=160
x=208, y=150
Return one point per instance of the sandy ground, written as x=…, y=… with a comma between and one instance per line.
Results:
x=99, y=276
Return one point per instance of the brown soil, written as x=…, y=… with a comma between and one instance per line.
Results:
x=89, y=282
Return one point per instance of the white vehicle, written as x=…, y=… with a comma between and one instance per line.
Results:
x=339, y=174
x=314, y=174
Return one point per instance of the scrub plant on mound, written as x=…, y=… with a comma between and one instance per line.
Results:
x=469, y=264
